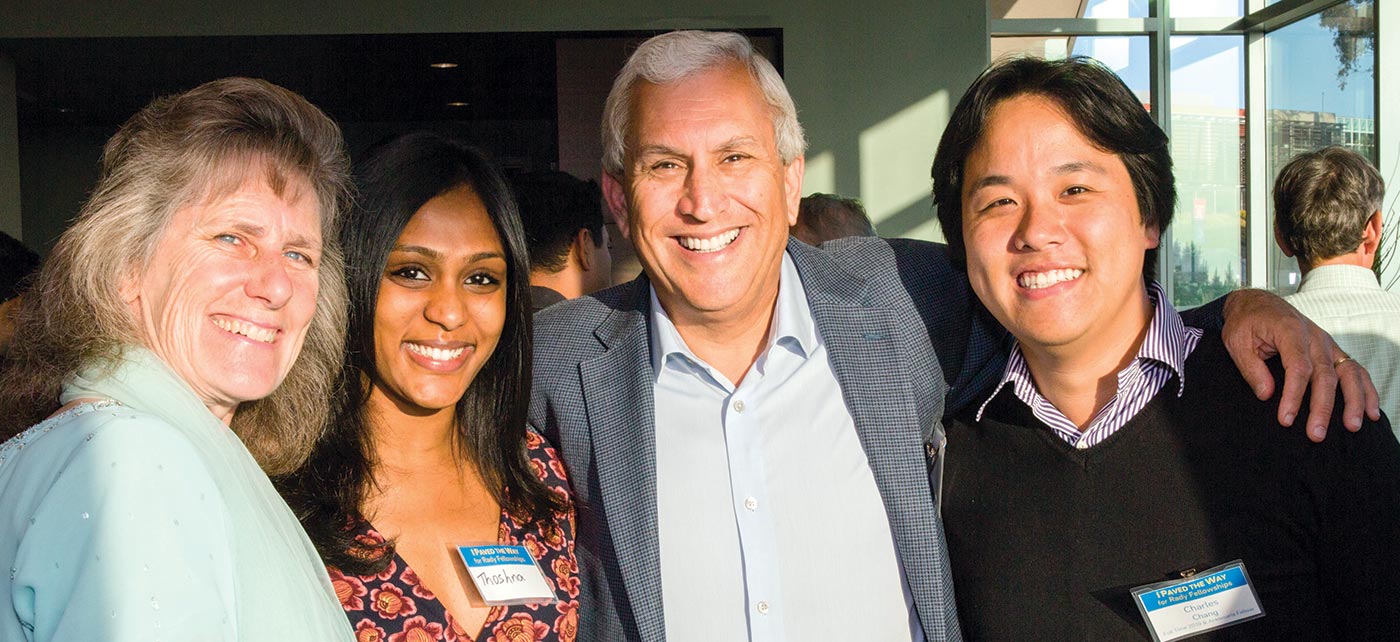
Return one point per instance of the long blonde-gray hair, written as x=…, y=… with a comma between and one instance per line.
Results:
x=177, y=151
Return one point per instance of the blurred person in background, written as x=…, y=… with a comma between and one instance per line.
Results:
x=1327, y=214
x=570, y=253
x=823, y=217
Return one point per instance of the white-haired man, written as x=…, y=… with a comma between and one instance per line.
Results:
x=751, y=426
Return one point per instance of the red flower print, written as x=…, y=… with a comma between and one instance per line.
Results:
x=558, y=468
x=553, y=536
x=388, y=572
x=564, y=568
x=348, y=589
x=366, y=631
x=369, y=546
x=533, y=440
x=418, y=630
x=520, y=628
x=410, y=577
x=390, y=602
x=539, y=469
x=566, y=625
x=532, y=544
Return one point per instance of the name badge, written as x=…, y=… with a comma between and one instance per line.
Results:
x=506, y=574
x=1216, y=598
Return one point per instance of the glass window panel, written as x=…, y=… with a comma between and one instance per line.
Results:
x=1320, y=91
x=1068, y=8
x=1125, y=55
x=1207, y=8
x=1207, y=240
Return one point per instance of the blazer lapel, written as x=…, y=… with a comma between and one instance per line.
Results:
x=617, y=390
x=869, y=345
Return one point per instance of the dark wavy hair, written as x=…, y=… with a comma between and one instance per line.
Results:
x=395, y=180
x=1102, y=108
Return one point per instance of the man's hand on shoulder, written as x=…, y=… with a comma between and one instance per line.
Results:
x=1259, y=325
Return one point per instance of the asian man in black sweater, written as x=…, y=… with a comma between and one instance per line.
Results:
x=1121, y=451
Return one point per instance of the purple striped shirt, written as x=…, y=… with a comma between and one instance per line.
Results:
x=1163, y=352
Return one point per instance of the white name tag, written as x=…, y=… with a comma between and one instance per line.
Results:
x=506, y=574
x=1206, y=601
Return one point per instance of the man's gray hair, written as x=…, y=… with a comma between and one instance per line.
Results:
x=681, y=54
x=1322, y=201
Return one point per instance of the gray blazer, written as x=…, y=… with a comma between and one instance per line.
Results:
x=881, y=306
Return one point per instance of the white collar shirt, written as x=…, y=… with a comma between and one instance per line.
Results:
x=770, y=524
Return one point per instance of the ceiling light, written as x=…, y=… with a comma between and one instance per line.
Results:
x=443, y=65
x=457, y=103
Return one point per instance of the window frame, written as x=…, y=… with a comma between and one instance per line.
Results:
x=1259, y=21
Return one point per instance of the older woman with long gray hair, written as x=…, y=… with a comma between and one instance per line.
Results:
x=179, y=345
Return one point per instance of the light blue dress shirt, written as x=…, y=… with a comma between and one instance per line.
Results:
x=770, y=524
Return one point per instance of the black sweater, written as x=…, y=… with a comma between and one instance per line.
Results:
x=1046, y=541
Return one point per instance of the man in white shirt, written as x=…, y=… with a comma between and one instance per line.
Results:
x=1327, y=214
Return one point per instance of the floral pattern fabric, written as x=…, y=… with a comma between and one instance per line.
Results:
x=394, y=606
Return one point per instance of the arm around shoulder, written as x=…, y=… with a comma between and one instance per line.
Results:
x=971, y=346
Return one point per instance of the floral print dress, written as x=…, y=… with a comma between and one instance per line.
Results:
x=394, y=606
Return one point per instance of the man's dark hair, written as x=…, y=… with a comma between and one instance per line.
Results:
x=1101, y=107
x=1322, y=201
x=823, y=217
x=17, y=264
x=554, y=206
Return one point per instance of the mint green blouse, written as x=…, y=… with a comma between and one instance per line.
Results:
x=144, y=518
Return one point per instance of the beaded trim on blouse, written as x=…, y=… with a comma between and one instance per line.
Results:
x=18, y=442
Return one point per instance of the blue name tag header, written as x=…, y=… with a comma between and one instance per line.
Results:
x=1193, y=588
x=496, y=555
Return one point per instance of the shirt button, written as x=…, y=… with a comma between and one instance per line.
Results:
x=763, y=607
x=738, y=406
x=751, y=503
x=1082, y=444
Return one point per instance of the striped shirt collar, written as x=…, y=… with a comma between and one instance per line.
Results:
x=1163, y=353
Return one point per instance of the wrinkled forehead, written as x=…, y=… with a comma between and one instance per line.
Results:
x=222, y=179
